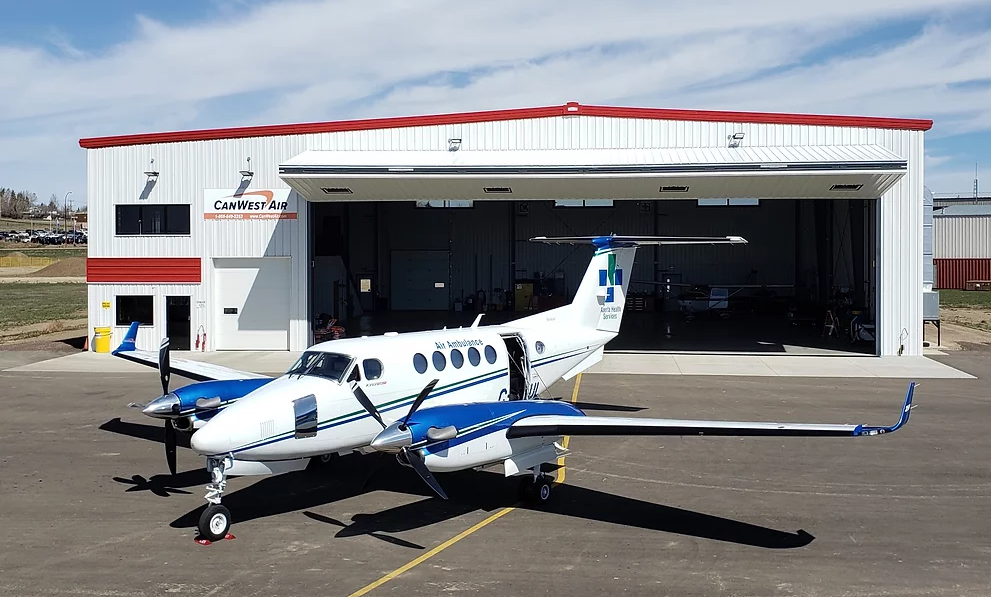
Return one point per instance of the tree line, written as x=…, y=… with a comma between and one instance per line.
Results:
x=24, y=204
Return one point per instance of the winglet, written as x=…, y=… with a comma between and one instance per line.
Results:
x=902, y=420
x=129, y=339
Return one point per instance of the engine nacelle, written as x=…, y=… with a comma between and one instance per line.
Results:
x=480, y=451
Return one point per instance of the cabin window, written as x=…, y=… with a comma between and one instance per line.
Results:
x=490, y=355
x=373, y=368
x=473, y=357
x=439, y=361
x=420, y=363
x=457, y=359
x=540, y=347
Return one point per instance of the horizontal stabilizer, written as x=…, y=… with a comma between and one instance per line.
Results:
x=614, y=241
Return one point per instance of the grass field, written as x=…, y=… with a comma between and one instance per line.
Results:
x=11, y=224
x=26, y=304
x=971, y=299
x=49, y=252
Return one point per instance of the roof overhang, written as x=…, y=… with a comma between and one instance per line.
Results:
x=797, y=172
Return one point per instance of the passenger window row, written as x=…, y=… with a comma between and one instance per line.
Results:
x=457, y=359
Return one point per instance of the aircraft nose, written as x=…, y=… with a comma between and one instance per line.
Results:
x=211, y=440
x=163, y=407
x=392, y=439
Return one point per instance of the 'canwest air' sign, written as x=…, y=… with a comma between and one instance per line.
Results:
x=265, y=204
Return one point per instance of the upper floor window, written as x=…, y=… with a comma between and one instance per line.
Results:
x=150, y=219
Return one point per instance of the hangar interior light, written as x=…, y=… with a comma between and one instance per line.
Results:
x=735, y=139
x=846, y=187
x=336, y=190
x=453, y=144
x=497, y=190
x=674, y=189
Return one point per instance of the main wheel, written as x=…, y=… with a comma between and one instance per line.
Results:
x=536, y=491
x=215, y=522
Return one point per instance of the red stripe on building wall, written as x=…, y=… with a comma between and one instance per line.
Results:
x=955, y=273
x=125, y=270
x=570, y=109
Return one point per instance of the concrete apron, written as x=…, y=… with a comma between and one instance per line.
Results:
x=277, y=362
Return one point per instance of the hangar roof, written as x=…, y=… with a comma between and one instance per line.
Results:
x=569, y=109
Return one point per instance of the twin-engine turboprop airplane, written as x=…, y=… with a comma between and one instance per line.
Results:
x=478, y=386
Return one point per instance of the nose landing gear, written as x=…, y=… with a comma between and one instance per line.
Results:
x=215, y=521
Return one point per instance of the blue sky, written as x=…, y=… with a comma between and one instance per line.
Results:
x=71, y=69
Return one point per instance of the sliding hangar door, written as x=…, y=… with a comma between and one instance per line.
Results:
x=450, y=247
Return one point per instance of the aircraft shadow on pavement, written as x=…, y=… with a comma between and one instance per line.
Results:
x=354, y=475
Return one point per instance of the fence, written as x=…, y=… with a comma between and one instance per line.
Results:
x=24, y=261
x=955, y=273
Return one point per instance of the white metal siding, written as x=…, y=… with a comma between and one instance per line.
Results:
x=115, y=175
x=149, y=337
x=962, y=236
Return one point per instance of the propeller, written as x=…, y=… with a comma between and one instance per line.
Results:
x=165, y=373
x=406, y=456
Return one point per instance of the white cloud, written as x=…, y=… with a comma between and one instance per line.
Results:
x=346, y=58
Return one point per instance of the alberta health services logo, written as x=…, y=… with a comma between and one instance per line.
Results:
x=610, y=278
x=224, y=204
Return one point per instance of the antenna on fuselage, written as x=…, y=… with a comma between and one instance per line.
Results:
x=477, y=319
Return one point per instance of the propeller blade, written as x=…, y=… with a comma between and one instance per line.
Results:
x=170, y=445
x=135, y=405
x=164, y=368
x=419, y=400
x=366, y=403
x=416, y=461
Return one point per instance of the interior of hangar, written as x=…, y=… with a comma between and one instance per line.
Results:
x=803, y=284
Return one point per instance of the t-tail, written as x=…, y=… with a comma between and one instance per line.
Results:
x=601, y=297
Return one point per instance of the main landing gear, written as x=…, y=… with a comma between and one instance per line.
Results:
x=536, y=489
x=216, y=519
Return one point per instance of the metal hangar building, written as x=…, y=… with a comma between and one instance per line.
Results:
x=251, y=238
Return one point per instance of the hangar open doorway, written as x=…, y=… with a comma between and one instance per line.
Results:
x=805, y=283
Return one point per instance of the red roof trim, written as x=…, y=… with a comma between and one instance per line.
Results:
x=133, y=270
x=569, y=109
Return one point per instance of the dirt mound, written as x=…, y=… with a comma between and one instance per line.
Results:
x=15, y=255
x=70, y=267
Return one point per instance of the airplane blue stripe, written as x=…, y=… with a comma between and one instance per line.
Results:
x=567, y=356
x=362, y=415
x=560, y=356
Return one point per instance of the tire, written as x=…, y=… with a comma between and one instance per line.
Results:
x=541, y=491
x=215, y=522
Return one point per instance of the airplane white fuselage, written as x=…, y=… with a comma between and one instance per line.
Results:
x=476, y=365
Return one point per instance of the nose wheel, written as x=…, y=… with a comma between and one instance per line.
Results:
x=215, y=522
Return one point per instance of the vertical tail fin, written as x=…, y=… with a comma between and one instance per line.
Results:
x=130, y=338
x=601, y=297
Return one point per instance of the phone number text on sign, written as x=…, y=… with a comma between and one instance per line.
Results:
x=250, y=216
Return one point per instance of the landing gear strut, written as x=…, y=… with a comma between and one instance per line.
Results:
x=536, y=489
x=216, y=519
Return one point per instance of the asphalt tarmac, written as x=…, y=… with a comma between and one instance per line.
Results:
x=85, y=508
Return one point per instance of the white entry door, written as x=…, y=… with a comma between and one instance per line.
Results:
x=419, y=280
x=252, y=303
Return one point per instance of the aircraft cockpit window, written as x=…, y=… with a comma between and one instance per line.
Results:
x=328, y=365
x=373, y=368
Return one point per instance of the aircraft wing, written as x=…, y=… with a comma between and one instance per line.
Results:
x=550, y=425
x=195, y=370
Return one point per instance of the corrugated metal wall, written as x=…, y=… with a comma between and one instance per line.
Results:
x=961, y=236
x=115, y=175
x=955, y=273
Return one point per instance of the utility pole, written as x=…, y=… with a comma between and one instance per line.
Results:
x=65, y=209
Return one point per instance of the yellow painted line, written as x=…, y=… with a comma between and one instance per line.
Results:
x=370, y=587
x=431, y=553
x=561, y=471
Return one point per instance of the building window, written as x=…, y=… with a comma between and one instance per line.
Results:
x=152, y=219
x=420, y=363
x=446, y=203
x=373, y=368
x=741, y=202
x=473, y=357
x=135, y=308
x=583, y=203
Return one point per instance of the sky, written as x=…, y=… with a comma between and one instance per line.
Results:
x=71, y=69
